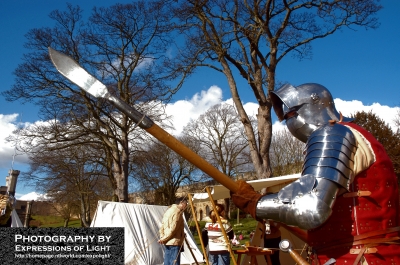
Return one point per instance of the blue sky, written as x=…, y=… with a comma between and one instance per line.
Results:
x=361, y=68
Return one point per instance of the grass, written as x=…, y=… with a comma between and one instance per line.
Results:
x=52, y=221
x=246, y=226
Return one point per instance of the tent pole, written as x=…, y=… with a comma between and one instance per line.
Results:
x=191, y=252
x=198, y=228
x=222, y=227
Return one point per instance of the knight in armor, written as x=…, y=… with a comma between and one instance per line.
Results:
x=346, y=201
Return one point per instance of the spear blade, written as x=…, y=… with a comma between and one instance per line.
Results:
x=76, y=74
x=71, y=70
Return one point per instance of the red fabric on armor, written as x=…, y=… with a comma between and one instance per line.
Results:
x=353, y=216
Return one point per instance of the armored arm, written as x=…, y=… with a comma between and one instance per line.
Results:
x=328, y=167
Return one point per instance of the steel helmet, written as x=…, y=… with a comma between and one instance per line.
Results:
x=305, y=108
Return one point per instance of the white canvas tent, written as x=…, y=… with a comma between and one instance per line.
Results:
x=141, y=223
x=16, y=222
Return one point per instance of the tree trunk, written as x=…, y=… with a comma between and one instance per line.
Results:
x=83, y=211
x=258, y=151
x=66, y=221
x=227, y=208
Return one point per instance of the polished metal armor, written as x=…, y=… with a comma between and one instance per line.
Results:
x=307, y=202
x=312, y=103
x=329, y=157
x=330, y=154
x=340, y=211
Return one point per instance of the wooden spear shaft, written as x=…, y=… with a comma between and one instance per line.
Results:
x=222, y=227
x=78, y=75
x=198, y=228
x=192, y=157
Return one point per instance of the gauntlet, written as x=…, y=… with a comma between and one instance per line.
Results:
x=246, y=198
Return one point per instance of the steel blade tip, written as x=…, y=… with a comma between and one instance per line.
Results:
x=70, y=69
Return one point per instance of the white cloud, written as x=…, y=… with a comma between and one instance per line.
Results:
x=386, y=113
x=7, y=150
x=251, y=108
x=182, y=111
x=33, y=196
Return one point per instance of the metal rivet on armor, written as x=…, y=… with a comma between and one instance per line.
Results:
x=314, y=96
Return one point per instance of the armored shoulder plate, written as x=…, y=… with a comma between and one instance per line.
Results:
x=330, y=154
x=308, y=201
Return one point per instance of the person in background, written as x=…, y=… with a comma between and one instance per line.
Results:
x=172, y=233
x=235, y=241
x=272, y=239
x=213, y=236
x=251, y=234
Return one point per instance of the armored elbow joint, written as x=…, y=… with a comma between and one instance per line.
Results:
x=306, y=212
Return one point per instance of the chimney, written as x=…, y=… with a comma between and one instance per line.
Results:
x=11, y=181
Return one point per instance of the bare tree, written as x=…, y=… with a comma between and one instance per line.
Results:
x=124, y=46
x=160, y=172
x=66, y=208
x=222, y=140
x=71, y=176
x=251, y=38
x=286, y=153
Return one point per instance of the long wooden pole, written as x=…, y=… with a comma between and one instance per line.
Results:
x=198, y=228
x=192, y=157
x=286, y=246
x=78, y=75
x=222, y=227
